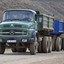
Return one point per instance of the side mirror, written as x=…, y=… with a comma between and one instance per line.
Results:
x=35, y=17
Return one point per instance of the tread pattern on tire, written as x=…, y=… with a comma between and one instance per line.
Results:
x=50, y=44
x=33, y=47
x=53, y=43
x=58, y=44
x=45, y=44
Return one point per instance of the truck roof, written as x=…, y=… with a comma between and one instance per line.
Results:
x=20, y=10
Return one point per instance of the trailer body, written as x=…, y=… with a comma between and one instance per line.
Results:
x=58, y=26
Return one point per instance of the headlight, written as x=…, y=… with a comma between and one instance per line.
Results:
x=31, y=27
x=32, y=33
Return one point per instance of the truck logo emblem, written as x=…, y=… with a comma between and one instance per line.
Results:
x=12, y=32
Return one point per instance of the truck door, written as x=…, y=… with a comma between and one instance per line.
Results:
x=39, y=19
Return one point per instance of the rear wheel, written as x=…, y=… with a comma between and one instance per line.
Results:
x=58, y=44
x=39, y=44
x=39, y=48
x=53, y=43
x=2, y=48
x=50, y=44
x=63, y=43
x=45, y=46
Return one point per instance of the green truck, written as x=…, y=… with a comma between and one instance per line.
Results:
x=26, y=28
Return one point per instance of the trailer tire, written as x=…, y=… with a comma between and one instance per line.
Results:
x=39, y=44
x=50, y=44
x=58, y=44
x=53, y=43
x=2, y=48
x=63, y=43
x=45, y=46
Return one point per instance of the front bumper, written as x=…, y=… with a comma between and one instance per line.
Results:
x=17, y=38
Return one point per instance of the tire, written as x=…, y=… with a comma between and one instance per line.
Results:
x=50, y=44
x=13, y=48
x=45, y=46
x=53, y=43
x=63, y=43
x=39, y=44
x=2, y=48
x=40, y=47
x=58, y=44
x=33, y=47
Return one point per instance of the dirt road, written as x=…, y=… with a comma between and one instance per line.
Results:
x=26, y=58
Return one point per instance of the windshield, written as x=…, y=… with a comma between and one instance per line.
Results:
x=18, y=15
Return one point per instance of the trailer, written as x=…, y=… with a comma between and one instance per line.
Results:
x=26, y=28
x=56, y=34
x=62, y=36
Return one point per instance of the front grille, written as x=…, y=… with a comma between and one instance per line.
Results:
x=13, y=32
x=14, y=25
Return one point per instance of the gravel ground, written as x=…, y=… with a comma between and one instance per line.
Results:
x=25, y=58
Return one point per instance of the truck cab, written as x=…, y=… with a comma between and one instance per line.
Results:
x=18, y=29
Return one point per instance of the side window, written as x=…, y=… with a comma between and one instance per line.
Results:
x=39, y=18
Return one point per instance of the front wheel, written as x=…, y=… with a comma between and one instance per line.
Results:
x=2, y=48
x=33, y=47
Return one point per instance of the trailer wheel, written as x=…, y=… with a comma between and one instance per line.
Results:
x=13, y=48
x=45, y=46
x=63, y=43
x=2, y=48
x=58, y=44
x=39, y=44
x=53, y=43
x=50, y=44
x=33, y=47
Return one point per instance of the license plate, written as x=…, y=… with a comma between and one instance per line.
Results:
x=11, y=40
